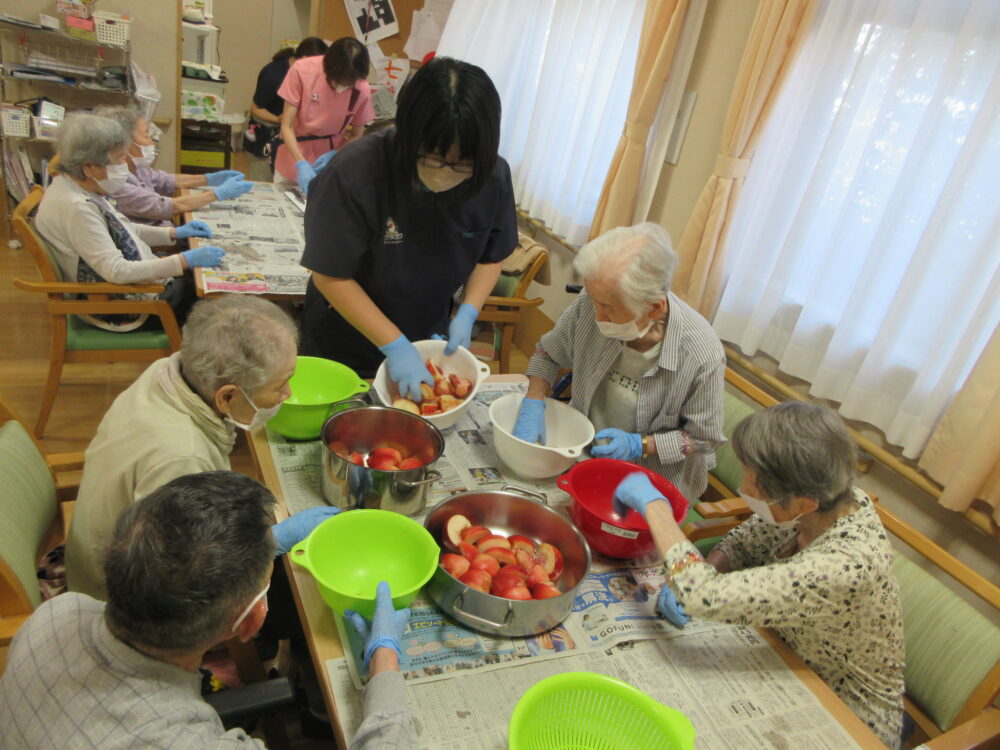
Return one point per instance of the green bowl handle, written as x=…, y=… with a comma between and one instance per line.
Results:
x=299, y=554
x=364, y=387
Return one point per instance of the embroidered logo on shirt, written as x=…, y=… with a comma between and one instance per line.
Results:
x=315, y=96
x=392, y=235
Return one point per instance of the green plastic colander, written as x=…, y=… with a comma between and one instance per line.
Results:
x=590, y=711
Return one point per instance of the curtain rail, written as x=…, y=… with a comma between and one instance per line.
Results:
x=979, y=519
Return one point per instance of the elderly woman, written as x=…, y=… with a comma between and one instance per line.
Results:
x=813, y=562
x=92, y=241
x=180, y=417
x=147, y=195
x=647, y=369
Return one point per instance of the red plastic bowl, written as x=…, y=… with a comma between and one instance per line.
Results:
x=592, y=485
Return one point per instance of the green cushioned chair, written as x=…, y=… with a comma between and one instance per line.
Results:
x=72, y=339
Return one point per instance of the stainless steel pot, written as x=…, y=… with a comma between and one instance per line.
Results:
x=348, y=485
x=509, y=511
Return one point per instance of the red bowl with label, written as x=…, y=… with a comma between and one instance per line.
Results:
x=592, y=485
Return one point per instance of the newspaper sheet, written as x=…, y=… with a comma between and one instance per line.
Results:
x=263, y=236
x=735, y=689
x=469, y=461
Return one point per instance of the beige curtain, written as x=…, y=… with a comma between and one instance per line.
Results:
x=963, y=453
x=778, y=29
x=661, y=28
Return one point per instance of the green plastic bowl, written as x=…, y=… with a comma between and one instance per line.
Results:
x=350, y=553
x=317, y=386
x=591, y=711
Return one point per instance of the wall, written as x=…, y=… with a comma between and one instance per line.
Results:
x=155, y=51
x=244, y=47
x=289, y=20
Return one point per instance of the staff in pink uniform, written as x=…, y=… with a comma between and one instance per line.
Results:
x=328, y=104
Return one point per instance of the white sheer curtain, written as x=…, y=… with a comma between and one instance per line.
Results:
x=564, y=72
x=865, y=250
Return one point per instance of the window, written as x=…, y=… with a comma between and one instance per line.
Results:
x=864, y=253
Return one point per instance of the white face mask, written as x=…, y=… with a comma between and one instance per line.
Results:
x=440, y=180
x=260, y=417
x=763, y=510
x=623, y=331
x=339, y=88
x=116, y=179
x=147, y=156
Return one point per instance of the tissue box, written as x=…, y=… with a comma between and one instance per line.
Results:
x=81, y=28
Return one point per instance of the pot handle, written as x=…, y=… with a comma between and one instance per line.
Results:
x=351, y=400
x=456, y=605
x=530, y=493
x=432, y=476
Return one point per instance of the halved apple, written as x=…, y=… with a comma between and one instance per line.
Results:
x=537, y=575
x=544, y=591
x=453, y=529
x=468, y=551
x=492, y=541
x=503, y=556
x=457, y=565
x=410, y=463
x=517, y=541
x=473, y=534
x=478, y=579
x=550, y=558
x=391, y=453
x=485, y=562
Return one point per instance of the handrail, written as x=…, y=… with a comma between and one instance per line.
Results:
x=540, y=226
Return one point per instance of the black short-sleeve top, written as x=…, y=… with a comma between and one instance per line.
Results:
x=410, y=249
x=269, y=80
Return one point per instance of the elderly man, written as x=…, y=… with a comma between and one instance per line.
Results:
x=187, y=567
x=180, y=417
x=647, y=369
x=147, y=195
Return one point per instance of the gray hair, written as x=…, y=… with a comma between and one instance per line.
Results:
x=127, y=117
x=88, y=139
x=798, y=450
x=235, y=339
x=641, y=258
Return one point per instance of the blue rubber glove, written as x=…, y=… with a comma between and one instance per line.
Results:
x=406, y=368
x=193, y=229
x=321, y=161
x=387, y=626
x=295, y=528
x=234, y=187
x=530, y=424
x=670, y=609
x=305, y=174
x=626, y=446
x=460, y=328
x=636, y=492
x=206, y=256
x=217, y=178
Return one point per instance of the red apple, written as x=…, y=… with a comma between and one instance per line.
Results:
x=478, y=579
x=485, y=562
x=468, y=551
x=448, y=402
x=356, y=458
x=550, y=558
x=537, y=575
x=382, y=463
x=510, y=575
x=406, y=405
x=473, y=534
x=517, y=592
x=457, y=565
x=492, y=541
x=340, y=448
x=503, y=556
x=544, y=591
x=522, y=542
x=410, y=463
x=453, y=529
x=391, y=453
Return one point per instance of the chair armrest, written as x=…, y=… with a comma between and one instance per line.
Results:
x=65, y=461
x=513, y=301
x=976, y=734
x=731, y=506
x=9, y=626
x=695, y=530
x=235, y=705
x=89, y=287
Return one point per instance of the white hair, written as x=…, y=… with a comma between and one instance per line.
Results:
x=88, y=139
x=235, y=339
x=640, y=258
x=127, y=117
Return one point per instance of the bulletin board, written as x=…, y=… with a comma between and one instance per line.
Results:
x=329, y=20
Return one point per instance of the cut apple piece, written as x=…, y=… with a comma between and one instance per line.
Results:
x=391, y=453
x=523, y=543
x=427, y=392
x=494, y=540
x=550, y=558
x=537, y=575
x=478, y=579
x=525, y=560
x=544, y=591
x=448, y=402
x=460, y=386
x=433, y=369
x=429, y=408
x=456, y=565
x=356, y=458
x=453, y=529
x=406, y=405
x=520, y=593
x=503, y=556
x=512, y=573
x=467, y=551
x=442, y=387
x=474, y=534
x=410, y=463
x=485, y=562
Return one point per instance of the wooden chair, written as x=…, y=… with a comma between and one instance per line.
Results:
x=952, y=670
x=74, y=340
x=504, y=308
x=33, y=519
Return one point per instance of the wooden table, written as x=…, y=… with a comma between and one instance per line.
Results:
x=324, y=642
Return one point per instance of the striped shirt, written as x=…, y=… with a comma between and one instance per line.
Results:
x=680, y=396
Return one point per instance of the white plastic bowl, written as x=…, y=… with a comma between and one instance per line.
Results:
x=567, y=432
x=463, y=363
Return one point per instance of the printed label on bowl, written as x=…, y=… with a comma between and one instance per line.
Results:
x=618, y=532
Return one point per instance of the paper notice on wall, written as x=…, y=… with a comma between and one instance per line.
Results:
x=425, y=33
x=440, y=10
x=372, y=20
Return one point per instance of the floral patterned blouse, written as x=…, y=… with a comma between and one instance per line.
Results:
x=836, y=603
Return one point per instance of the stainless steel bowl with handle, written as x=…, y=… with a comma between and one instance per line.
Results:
x=351, y=486
x=509, y=511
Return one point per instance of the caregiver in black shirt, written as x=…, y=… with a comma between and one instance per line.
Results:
x=402, y=218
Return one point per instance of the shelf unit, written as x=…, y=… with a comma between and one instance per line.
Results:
x=79, y=62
